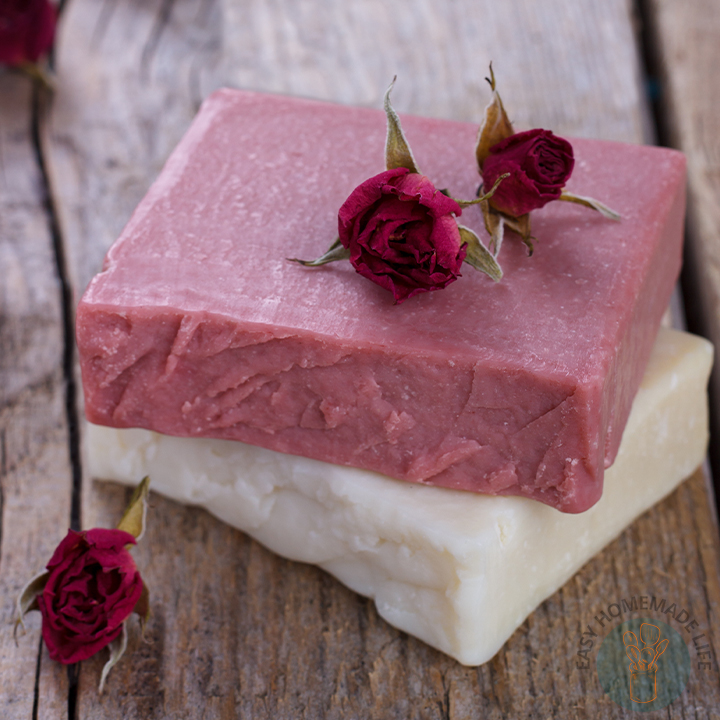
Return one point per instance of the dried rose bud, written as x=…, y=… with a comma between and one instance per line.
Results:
x=27, y=29
x=398, y=230
x=402, y=234
x=89, y=588
x=539, y=164
x=92, y=588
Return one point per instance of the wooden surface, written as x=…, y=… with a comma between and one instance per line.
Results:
x=34, y=459
x=236, y=631
x=684, y=38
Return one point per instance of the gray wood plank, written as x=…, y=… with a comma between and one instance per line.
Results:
x=569, y=66
x=35, y=476
x=684, y=39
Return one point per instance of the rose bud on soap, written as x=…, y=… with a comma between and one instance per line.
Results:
x=27, y=29
x=539, y=164
x=535, y=164
x=399, y=231
x=402, y=234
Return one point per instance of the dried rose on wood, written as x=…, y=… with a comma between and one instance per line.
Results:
x=90, y=588
x=93, y=585
x=27, y=29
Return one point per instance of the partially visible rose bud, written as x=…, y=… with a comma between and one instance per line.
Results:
x=402, y=234
x=27, y=29
x=92, y=587
x=539, y=164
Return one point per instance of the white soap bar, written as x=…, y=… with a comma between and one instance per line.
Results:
x=458, y=570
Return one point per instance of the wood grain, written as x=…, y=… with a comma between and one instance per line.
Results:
x=132, y=77
x=685, y=39
x=35, y=474
x=236, y=631
x=570, y=66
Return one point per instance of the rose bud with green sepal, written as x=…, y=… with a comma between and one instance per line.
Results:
x=536, y=164
x=90, y=588
x=399, y=231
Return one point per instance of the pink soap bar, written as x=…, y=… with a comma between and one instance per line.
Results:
x=198, y=326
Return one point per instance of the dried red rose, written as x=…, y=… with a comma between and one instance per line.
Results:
x=539, y=164
x=402, y=234
x=27, y=28
x=92, y=588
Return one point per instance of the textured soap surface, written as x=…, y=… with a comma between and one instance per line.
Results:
x=459, y=570
x=198, y=326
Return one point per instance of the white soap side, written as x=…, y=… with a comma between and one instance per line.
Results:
x=460, y=571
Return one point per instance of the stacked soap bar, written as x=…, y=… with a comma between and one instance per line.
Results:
x=199, y=327
x=460, y=571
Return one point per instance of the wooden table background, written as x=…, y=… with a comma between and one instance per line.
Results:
x=236, y=631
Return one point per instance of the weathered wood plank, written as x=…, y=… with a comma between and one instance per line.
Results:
x=116, y=119
x=684, y=37
x=236, y=631
x=569, y=66
x=35, y=478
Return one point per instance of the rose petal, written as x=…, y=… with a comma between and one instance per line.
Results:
x=66, y=551
x=27, y=28
x=71, y=650
x=109, y=539
x=419, y=187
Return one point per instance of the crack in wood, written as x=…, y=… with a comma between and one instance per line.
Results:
x=444, y=703
x=102, y=23
x=3, y=475
x=150, y=47
x=38, y=121
x=73, y=676
x=39, y=117
x=36, y=688
x=649, y=56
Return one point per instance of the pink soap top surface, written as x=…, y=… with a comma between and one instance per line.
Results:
x=199, y=326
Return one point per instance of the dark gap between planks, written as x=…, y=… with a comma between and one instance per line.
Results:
x=39, y=112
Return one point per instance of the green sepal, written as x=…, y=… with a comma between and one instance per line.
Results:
x=604, y=210
x=478, y=255
x=27, y=599
x=496, y=125
x=335, y=252
x=133, y=519
x=397, y=150
x=521, y=225
x=37, y=72
x=142, y=606
x=495, y=227
x=495, y=222
x=117, y=649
